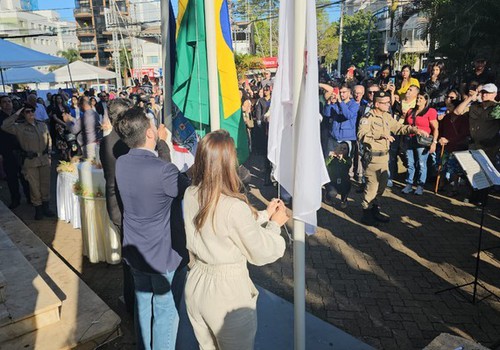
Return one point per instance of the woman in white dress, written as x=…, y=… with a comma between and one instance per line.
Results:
x=223, y=233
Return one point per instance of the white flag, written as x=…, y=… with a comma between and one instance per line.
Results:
x=294, y=146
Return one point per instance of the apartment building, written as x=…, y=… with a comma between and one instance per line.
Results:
x=43, y=31
x=95, y=40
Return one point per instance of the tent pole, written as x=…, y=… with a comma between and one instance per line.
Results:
x=3, y=83
x=70, y=78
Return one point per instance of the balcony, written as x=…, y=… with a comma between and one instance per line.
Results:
x=92, y=61
x=87, y=48
x=85, y=32
x=82, y=12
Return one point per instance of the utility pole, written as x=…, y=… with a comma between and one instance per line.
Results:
x=270, y=29
x=111, y=21
x=341, y=31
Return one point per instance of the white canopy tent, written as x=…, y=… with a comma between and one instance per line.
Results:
x=17, y=56
x=26, y=75
x=81, y=71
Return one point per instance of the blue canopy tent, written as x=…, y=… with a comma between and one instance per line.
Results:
x=17, y=56
x=26, y=75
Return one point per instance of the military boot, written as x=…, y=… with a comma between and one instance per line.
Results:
x=377, y=215
x=46, y=211
x=38, y=212
x=368, y=218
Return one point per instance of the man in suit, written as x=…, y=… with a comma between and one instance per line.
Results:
x=112, y=147
x=102, y=107
x=148, y=186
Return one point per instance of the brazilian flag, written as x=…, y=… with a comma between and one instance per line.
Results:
x=190, y=88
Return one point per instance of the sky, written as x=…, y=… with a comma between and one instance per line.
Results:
x=64, y=7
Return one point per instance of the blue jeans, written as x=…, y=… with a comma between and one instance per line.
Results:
x=417, y=154
x=156, y=317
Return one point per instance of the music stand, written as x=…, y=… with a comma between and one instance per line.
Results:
x=476, y=282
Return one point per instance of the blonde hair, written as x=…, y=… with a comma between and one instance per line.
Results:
x=215, y=174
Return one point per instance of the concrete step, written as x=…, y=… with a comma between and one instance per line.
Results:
x=86, y=321
x=29, y=303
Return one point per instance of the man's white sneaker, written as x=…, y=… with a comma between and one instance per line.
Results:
x=408, y=188
x=389, y=183
x=419, y=191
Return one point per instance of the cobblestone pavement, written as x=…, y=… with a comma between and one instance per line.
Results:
x=377, y=284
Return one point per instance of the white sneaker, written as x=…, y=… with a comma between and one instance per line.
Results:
x=389, y=183
x=407, y=190
x=419, y=191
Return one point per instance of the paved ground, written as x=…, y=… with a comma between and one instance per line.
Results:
x=377, y=284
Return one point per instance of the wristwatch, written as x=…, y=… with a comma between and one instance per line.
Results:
x=434, y=141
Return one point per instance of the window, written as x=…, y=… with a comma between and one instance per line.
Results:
x=152, y=60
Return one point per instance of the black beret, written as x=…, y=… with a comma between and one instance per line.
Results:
x=381, y=94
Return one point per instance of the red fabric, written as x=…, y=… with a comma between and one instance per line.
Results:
x=423, y=122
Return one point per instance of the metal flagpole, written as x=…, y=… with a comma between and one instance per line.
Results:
x=167, y=68
x=341, y=31
x=299, y=290
x=3, y=83
x=213, y=81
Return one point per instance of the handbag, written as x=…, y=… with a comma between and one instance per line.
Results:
x=421, y=140
x=425, y=141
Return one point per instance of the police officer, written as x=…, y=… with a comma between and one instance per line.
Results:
x=34, y=138
x=374, y=133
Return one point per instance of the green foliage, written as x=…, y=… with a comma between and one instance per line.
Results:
x=355, y=41
x=71, y=55
x=245, y=63
x=464, y=28
x=328, y=39
x=408, y=58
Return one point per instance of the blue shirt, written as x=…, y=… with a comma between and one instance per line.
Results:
x=344, y=117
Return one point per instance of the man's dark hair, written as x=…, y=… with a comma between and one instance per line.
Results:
x=131, y=126
x=117, y=107
x=346, y=86
x=4, y=96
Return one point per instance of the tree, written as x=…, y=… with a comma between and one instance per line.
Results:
x=328, y=39
x=259, y=12
x=245, y=63
x=355, y=42
x=460, y=29
x=71, y=55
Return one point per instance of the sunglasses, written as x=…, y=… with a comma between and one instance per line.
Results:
x=372, y=92
x=29, y=111
x=451, y=98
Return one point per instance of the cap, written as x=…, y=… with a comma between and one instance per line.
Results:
x=489, y=88
x=381, y=94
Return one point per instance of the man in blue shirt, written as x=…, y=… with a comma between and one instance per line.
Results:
x=344, y=112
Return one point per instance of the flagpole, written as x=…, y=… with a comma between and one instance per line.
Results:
x=213, y=82
x=299, y=290
x=167, y=69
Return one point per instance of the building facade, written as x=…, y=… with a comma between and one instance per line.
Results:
x=409, y=35
x=42, y=31
x=96, y=44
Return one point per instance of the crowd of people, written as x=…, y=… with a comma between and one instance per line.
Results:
x=443, y=114
x=214, y=234
x=367, y=124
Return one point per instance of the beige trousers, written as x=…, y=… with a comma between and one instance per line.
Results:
x=221, y=304
x=39, y=180
x=376, y=176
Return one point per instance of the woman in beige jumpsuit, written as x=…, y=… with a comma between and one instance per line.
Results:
x=224, y=233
